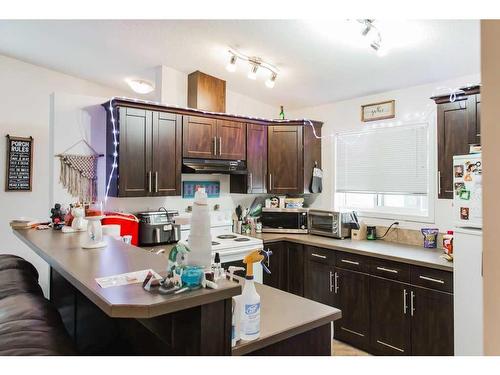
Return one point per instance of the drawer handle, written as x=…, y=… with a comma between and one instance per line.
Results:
x=318, y=256
x=351, y=331
x=390, y=346
x=350, y=262
x=431, y=279
x=387, y=270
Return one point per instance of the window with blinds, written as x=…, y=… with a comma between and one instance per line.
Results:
x=388, y=160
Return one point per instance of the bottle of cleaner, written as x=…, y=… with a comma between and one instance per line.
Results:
x=250, y=299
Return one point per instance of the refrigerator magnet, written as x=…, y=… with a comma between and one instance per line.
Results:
x=464, y=213
x=459, y=186
x=459, y=171
x=465, y=194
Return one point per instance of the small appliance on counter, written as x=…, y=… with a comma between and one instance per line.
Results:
x=332, y=223
x=284, y=220
x=157, y=227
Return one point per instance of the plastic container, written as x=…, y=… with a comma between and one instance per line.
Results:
x=448, y=242
x=200, y=238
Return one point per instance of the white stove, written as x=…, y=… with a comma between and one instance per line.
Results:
x=232, y=248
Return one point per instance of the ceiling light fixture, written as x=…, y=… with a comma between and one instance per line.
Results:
x=231, y=65
x=373, y=36
x=255, y=64
x=252, y=74
x=140, y=86
x=271, y=81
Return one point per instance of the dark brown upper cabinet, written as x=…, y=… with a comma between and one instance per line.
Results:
x=148, y=161
x=208, y=138
x=199, y=137
x=458, y=126
x=206, y=92
x=293, y=151
x=255, y=181
x=231, y=136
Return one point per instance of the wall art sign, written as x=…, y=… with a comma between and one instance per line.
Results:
x=378, y=111
x=212, y=188
x=19, y=164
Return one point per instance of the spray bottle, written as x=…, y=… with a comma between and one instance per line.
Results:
x=250, y=299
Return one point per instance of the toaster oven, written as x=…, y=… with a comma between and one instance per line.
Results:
x=284, y=220
x=332, y=223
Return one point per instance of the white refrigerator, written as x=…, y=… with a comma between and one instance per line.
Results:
x=467, y=191
x=467, y=255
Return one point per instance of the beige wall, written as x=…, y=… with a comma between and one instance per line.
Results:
x=490, y=129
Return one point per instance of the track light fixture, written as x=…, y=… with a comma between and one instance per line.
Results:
x=255, y=64
x=373, y=36
x=252, y=74
x=231, y=65
x=271, y=81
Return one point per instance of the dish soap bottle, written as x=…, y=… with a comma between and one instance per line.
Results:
x=282, y=114
x=250, y=300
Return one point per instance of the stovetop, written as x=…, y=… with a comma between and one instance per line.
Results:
x=234, y=241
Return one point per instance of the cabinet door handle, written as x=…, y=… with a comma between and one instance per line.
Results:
x=220, y=146
x=405, y=306
x=269, y=258
x=250, y=177
x=270, y=182
x=336, y=282
x=350, y=262
x=439, y=182
x=331, y=283
x=412, y=308
x=431, y=279
x=318, y=256
x=149, y=181
x=215, y=146
x=156, y=182
x=387, y=270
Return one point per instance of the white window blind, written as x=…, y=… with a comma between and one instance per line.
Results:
x=389, y=160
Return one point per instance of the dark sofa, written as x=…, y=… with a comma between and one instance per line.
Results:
x=29, y=324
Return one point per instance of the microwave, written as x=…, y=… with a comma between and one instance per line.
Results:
x=284, y=220
x=332, y=223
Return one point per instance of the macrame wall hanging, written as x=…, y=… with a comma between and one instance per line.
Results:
x=79, y=173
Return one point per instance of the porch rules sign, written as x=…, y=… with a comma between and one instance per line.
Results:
x=19, y=160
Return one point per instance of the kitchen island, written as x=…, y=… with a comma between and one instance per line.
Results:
x=129, y=320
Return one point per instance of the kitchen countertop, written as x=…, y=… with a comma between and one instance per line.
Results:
x=284, y=315
x=80, y=267
x=416, y=255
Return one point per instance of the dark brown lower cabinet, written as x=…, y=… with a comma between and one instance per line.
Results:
x=390, y=317
x=431, y=322
x=352, y=296
x=276, y=264
x=295, y=268
x=318, y=282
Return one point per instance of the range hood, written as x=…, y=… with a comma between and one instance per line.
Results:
x=214, y=166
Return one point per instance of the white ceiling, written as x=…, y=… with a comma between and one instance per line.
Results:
x=319, y=61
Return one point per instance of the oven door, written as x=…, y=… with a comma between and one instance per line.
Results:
x=284, y=221
x=325, y=223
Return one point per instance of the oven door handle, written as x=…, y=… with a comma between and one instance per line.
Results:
x=315, y=213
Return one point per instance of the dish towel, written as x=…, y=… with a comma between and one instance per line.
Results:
x=79, y=176
x=317, y=180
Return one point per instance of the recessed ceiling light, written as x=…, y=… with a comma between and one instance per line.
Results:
x=140, y=86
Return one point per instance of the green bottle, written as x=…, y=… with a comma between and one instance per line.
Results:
x=282, y=114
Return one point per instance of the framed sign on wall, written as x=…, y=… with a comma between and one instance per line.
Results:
x=378, y=111
x=19, y=164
